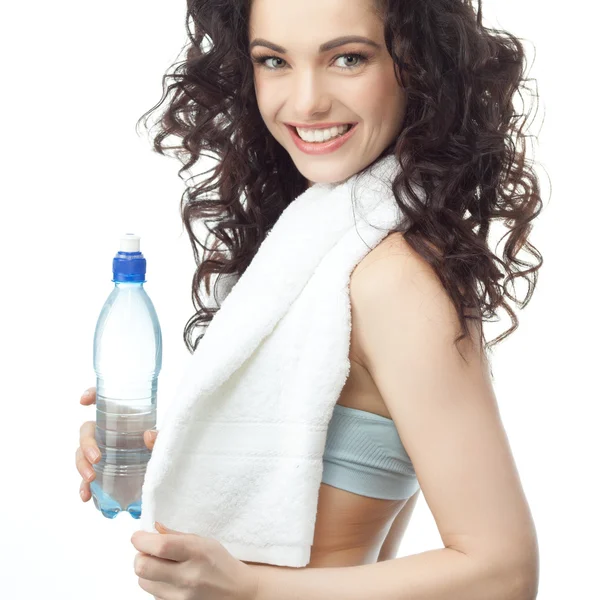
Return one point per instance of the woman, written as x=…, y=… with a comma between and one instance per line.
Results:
x=423, y=80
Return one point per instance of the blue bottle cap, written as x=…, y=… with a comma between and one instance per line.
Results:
x=129, y=265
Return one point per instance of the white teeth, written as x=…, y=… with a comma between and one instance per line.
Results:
x=322, y=135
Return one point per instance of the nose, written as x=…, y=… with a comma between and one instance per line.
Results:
x=309, y=96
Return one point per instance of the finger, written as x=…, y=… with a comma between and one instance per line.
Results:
x=85, y=491
x=89, y=396
x=88, y=442
x=172, y=546
x=150, y=437
x=158, y=570
x=84, y=467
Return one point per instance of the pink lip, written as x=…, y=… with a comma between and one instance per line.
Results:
x=320, y=148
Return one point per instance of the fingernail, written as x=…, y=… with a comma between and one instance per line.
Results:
x=86, y=394
x=93, y=454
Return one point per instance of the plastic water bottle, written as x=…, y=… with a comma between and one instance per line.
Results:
x=127, y=361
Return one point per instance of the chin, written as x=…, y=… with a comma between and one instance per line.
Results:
x=333, y=177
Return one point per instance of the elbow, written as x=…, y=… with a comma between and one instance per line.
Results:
x=503, y=581
x=521, y=583
x=514, y=576
x=529, y=569
x=522, y=576
x=530, y=576
x=514, y=565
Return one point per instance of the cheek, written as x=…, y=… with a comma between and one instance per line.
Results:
x=264, y=89
x=267, y=105
x=264, y=95
x=387, y=100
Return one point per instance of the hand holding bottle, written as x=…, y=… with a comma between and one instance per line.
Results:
x=84, y=453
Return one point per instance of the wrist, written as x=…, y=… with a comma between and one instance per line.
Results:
x=267, y=580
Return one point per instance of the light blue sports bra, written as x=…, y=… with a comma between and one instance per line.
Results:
x=364, y=455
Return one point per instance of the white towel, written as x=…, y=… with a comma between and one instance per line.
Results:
x=239, y=454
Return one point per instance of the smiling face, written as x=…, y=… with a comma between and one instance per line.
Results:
x=299, y=82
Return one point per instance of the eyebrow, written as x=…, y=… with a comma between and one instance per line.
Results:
x=340, y=41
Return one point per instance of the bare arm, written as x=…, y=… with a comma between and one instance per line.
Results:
x=442, y=574
x=446, y=414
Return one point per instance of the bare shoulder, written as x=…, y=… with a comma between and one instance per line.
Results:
x=393, y=244
x=394, y=257
x=394, y=277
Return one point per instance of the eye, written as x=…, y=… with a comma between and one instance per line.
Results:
x=361, y=58
x=358, y=56
x=261, y=60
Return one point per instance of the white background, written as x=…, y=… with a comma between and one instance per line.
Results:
x=75, y=175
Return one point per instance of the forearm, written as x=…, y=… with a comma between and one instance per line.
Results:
x=442, y=574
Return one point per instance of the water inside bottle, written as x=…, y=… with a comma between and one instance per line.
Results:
x=120, y=427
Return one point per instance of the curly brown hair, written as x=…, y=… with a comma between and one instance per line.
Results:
x=462, y=141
